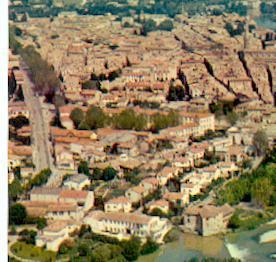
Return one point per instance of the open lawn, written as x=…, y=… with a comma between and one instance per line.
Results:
x=31, y=252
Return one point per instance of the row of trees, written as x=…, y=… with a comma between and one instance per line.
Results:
x=42, y=74
x=95, y=118
x=106, y=174
x=18, y=215
x=150, y=25
x=257, y=187
x=239, y=30
x=225, y=109
x=93, y=247
x=100, y=7
x=15, y=188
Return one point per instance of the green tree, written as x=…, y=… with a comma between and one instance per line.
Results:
x=230, y=29
x=91, y=84
x=176, y=93
x=140, y=123
x=158, y=212
x=24, y=18
x=173, y=118
x=129, y=120
x=95, y=118
x=28, y=236
x=232, y=117
x=83, y=125
x=109, y=173
x=262, y=189
x=18, y=31
x=166, y=25
x=234, y=221
x=77, y=116
x=41, y=178
x=149, y=247
x=15, y=189
x=19, y=121
x=131, y=248
x=41, y=223
x=149, y=26
x=159, y=122
x=84, y=250
x=260, y=141
x=84, y=168
x=17, y=214
x=97, y=174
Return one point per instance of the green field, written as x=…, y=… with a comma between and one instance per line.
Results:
x=31, y=252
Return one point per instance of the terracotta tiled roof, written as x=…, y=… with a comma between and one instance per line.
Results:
x=138, y=189
x=73, y=194
x=119, y=200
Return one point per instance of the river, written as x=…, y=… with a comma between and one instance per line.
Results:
x=244, y=245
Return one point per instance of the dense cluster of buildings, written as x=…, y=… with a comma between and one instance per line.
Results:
x=102, y=63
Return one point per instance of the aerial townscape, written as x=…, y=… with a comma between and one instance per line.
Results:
x=142, y=130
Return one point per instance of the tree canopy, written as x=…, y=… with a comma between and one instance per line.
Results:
x=166, y=25
x=260, y=141
x=17, y=214
x=95, y=117
x=77, y=116
x=83, y=168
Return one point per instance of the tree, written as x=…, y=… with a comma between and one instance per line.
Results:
x=127, y=120
x=15, y=189
x=232, y=117
x=28, y=236
x=109, y=173
x=176, y=93
x=84, y=168
x=166, y=25
x=77, y=116
x=260, y=141
x=148, y=26
x=41, y=223
x=131, y=248
x=41, y=178
x=83, y=250
x=149, y=247
x=83, y=125
x=173, y=118
x=95, y=118
x=159, y=122
x=262, y=189
x=18, y=31
x=17, y=214
x=234, y=221
x=230, y=29
x=19, y=121
x=97, y=174
x=140, y=122
x=91, y=84
x=24, y=18
x=158, y=212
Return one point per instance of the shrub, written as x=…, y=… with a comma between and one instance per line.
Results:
x=149, y=247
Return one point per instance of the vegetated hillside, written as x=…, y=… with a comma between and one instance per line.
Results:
x=124, y=8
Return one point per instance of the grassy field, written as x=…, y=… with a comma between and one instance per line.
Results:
x=249, y=219
x=27, y=251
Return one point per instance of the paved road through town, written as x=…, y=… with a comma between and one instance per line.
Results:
x=40, y=129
